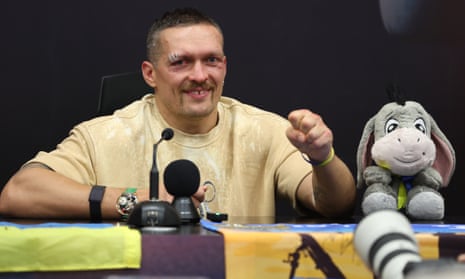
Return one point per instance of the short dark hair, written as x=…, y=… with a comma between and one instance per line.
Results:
x=177, y=17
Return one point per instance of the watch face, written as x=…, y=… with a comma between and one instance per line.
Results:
x=123, y=201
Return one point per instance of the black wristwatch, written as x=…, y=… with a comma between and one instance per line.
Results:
x=126, y=202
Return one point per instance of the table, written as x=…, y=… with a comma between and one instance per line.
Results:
x=195, y=252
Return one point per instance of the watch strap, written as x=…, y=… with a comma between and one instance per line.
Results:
x=95, y=203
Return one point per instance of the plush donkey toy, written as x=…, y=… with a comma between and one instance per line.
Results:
x=404, y=159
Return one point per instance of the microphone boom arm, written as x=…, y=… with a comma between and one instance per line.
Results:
x=154, y=174
x=166, y=134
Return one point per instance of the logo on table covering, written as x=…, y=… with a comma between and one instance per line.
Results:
x=312, y=249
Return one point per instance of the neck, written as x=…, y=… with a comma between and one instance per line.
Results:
x=193, y=125
x=190, y=124
x=196, y=125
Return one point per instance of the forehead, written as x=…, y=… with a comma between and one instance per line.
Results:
x=405, y=115
x=408, y=112
x=192, y=38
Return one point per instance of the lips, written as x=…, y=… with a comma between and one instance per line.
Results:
x=198, y=93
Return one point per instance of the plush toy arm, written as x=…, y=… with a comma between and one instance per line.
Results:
x=430, y=178
x=375, y=174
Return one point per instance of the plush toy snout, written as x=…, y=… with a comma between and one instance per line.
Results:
x=405, y=151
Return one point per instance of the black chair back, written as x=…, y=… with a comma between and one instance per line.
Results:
x=117, y=91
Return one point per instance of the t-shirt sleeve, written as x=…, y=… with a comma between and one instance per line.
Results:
x=290, y=167
x=71, y=158
x=290, y=174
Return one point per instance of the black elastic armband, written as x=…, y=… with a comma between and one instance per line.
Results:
x=95, y=201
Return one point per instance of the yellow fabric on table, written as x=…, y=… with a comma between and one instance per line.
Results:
x=261, y=254
x=69, y=248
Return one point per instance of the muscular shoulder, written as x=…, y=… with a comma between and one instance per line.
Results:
x=128, y=116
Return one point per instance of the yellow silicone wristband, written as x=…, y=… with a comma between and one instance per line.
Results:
x=317, y=163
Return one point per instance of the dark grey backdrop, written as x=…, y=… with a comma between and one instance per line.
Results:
x=331, y=56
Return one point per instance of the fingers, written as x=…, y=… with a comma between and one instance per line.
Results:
x=461, y=258
x=307, y=127
x=302, y=120
x=199, y=196
x=309, y=134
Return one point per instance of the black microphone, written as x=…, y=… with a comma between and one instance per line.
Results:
x=166, y=134
x=182, y=179
x=154, y=215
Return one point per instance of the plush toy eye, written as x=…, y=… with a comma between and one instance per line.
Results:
x=420, y=125
x=391, y=125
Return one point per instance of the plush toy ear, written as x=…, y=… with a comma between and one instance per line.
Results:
x=445, y=154
x=364, y=150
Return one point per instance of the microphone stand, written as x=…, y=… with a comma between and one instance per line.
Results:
x=153, y=214
x=154, y=175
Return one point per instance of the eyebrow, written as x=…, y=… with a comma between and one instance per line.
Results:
x=175, y=56
x=172, y=57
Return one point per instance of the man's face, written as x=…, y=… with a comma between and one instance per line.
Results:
x=190, y=72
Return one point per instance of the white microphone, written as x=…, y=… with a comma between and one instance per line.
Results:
x=387, y=245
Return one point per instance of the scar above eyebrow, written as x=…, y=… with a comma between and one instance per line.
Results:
x=173, y=57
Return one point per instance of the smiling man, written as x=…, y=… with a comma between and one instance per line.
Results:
x=245, y=155
x=188, y=74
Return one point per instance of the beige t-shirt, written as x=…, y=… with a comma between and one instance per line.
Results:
x=245, y=160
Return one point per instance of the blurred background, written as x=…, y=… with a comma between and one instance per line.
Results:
x=335, y=57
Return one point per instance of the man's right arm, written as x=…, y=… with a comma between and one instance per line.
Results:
x=38, y=192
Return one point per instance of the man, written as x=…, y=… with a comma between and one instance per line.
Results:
x=245, y=155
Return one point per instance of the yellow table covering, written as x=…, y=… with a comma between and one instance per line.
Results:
x=301, y=255
x=301, y=251
x=68, y=248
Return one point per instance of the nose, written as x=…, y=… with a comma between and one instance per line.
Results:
x=199, y=72
x=410, y=138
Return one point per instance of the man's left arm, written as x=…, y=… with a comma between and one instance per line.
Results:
x=330, y=189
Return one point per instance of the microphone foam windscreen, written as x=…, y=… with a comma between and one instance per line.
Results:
x=182, y=178
x=167, y=134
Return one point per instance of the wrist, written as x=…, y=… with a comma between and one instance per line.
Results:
x=323, y=163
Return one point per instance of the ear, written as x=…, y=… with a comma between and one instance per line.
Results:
x=148, y=72
x=364, y=150
x=444, y=162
